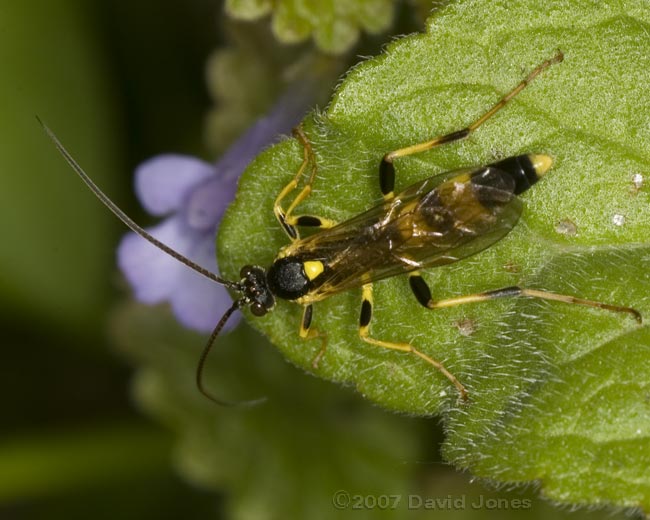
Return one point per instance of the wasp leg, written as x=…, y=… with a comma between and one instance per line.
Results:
x=364, y=331
x=306, y=332
x=310, y=221
x=386, y=168
x=285, y=219
x=423, y=295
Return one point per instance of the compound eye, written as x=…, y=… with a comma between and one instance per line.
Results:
x=245, y=271
x=258, y=309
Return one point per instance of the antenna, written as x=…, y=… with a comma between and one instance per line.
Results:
x=171, y=252
x=127, y=220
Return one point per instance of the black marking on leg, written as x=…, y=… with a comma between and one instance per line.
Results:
x=366, y=313
x=454, y=136
x=289, y=229
x=503, y=293
x=306, y=317
x=420, y=289
x=308, y=221
x=386, y=176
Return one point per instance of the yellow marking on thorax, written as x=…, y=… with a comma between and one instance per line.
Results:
x=313, y=268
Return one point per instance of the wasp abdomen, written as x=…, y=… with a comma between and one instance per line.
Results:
x=524, y=170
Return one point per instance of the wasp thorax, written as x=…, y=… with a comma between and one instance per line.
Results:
x=287, y=278
x=255, y=289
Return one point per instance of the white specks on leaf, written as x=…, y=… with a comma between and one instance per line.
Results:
x=566, y=227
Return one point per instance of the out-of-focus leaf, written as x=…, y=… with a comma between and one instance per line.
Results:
x=59, y=462
x=251, y=73
x=334, y=24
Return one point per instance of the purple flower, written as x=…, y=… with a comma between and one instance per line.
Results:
x=193, y=196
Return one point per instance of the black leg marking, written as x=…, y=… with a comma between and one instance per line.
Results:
x=306, y=320
x=288, y=228
x=506, y=292
x=308, y=221
x=386, y=178
x=454, y=136
x=420, y=289
x=366, y=313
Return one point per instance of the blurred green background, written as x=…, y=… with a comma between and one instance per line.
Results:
x=119, y=82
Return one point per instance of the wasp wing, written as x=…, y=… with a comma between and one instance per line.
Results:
x=434, y=222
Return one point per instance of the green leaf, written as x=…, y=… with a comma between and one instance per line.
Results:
x=559, y=393
x=334, y=24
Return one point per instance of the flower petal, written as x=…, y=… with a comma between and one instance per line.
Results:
x=163, y=182
x=207, y=203
x=199, y=194
x=198, y=303
x=152, y=273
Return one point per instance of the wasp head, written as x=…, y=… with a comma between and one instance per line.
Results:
x=255, y=290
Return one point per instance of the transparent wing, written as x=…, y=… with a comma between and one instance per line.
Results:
x=434, y=222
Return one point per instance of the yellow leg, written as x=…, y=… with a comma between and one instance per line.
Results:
x=423, y=295
x=307, y=333
x=364, y=331
x=416, y=148
x=308, y=159
x=310, y=221
x=386, y=169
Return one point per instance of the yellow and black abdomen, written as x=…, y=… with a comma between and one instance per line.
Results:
x=523, y=170
x=477, y=201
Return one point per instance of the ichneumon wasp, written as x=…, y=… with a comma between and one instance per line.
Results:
x=434, y=222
